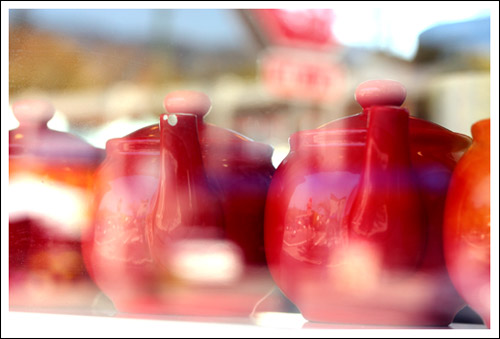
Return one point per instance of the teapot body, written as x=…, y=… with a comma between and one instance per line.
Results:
x=124, y=189
x=354, y=218
x=467, y=223
x=121, y=242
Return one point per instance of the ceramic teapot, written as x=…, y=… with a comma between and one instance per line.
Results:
x=467, y=223
x=353, y=229
x=50, y=193
x=179, y=212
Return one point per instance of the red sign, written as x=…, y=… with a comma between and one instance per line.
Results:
x=305, y=28
x=302, y=75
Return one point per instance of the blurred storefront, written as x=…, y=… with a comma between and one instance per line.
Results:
x=262, y=81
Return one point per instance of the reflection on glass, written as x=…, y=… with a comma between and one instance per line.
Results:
x=267, y=79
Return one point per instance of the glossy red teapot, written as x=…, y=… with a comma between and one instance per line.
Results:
x=467, y=223
x=179, y=212
x=353, y=229
x=50, y=193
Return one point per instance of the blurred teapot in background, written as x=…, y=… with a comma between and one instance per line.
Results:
x=179, y=212
x=354, y=216
x=50, y=193
x=467, y=223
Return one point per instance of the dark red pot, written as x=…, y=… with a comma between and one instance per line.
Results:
x=354, y=216
x=179, y=211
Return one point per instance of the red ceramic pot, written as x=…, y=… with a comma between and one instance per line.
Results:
x=353, y=230
x=467, y=223
x=179, y=210
x=50, y=190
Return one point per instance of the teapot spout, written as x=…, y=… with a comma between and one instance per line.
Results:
x=387, y=208
x=185, y=205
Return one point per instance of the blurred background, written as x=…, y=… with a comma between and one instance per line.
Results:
x=269, y=72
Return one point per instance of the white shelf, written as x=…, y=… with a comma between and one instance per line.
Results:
x=271, y=324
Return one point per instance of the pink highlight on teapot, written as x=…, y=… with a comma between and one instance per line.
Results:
x=190, y=102
x=33, y=112
x=380, y=93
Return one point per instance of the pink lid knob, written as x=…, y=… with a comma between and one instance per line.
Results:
x=190, y=102
x=33, y=112
x=380, y=93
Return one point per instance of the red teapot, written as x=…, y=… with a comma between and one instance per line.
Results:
x=467, y=223
x=178, y=217
x=50, y=190
x=353, y=229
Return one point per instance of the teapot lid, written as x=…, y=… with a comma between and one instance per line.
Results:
x=211, y=137
x=352, y=129
x=34, y=138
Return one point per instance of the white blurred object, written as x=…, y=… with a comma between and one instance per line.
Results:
x=458, y=100
x=395, y=27
x=64, y=208
x=280, y=152
x=206, y=261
